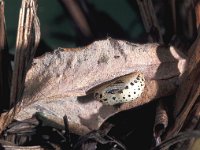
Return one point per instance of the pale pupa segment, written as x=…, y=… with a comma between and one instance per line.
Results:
x=121, y=90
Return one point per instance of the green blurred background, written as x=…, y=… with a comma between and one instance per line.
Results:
x=110, y=18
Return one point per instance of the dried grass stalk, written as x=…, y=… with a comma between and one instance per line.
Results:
x=5, y=64
x=28, y=37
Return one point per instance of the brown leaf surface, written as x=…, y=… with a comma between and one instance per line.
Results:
x=72, y=72
x=56, y=79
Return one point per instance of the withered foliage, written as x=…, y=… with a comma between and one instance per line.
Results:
x=48, y=103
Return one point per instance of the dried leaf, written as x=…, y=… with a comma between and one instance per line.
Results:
x=191, y=123
x=161, y=122
x=178, y=138
x=192, y=120
x=188, y=91
x=72, y=72
x=22, y=147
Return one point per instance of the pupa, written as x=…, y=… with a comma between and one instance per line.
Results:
x=121, y=90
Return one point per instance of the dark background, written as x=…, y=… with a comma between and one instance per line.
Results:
x=111, y=18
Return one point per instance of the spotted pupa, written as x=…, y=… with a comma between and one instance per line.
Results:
x=121, y=90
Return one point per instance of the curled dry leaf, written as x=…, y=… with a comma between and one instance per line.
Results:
x=59, y=81
x=161, y=122
x=188, y=91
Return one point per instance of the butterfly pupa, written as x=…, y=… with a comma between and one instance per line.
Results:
x=121, y=90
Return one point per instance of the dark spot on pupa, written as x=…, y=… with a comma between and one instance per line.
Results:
x=132, y=83
x=126, y=87
x=96, y=94
x=138, y=78
x=105, y=99
x=113, y=98
x=100, y=96
x=141, y=84
x=138, y=88
x=135, y=81
x=123, y=97
x=134, y=92
x=142, y=79
x=129, y=95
